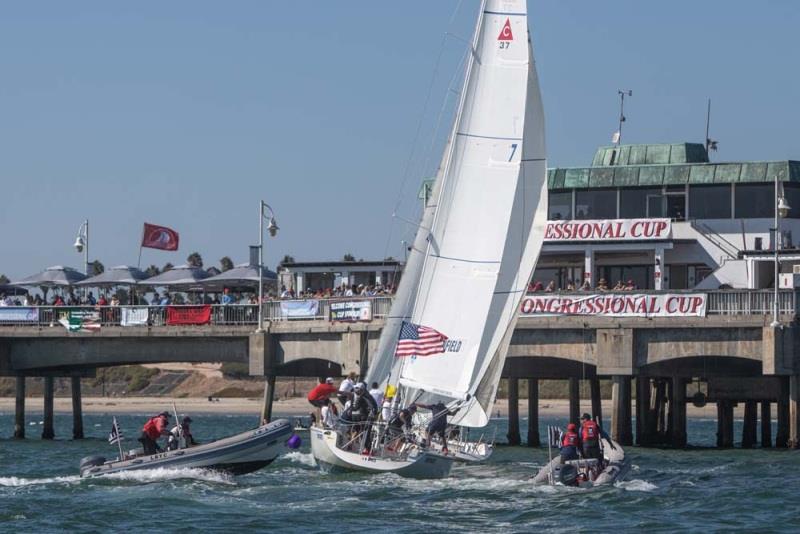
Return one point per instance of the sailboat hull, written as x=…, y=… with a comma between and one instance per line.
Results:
x=424, y=464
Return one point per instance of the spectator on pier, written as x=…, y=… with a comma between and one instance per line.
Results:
x=630, y=286
x=227, y=298
x=586, y=286
x=570, y=285
x=551, y=286
x=114, y=301
x=58, y=301
x=5, y=301
x=102, y=300
x=619, y=286
x=537, y=286
x=602, y=285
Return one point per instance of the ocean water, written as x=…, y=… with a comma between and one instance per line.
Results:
x=666, y=491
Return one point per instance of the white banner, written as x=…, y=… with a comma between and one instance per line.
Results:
x=134, y=316
x=616, y=305
x=608, y=230
x=299, y=308
x=15, y=314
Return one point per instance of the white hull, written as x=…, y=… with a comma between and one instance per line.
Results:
x=422, y=464
x=239, y=454
x=616, y=467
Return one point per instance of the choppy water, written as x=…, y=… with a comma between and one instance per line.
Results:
x=666, y=491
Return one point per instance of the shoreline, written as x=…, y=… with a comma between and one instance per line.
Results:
x=293, y=407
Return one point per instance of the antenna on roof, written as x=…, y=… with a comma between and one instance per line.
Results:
x=710, y=143
x=617, y=137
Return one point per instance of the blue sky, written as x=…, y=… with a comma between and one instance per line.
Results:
x=186, y=113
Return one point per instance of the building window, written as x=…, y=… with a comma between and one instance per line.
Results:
x=710, y=201
x=559, y=205
x=675, y=202
x=633, y=202
x=792, y=194
x=596, y=204
x=754, y=201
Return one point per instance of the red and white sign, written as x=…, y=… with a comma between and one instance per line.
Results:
x=616, y=305
x=505, y=33
x=608, y=230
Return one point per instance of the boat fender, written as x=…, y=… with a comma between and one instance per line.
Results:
x=294, y=442
x=91, y=461
x=568, y=475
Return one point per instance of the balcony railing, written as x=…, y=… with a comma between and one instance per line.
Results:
x=720, y=302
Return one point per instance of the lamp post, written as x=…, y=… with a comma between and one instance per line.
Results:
x=82, y=243
x=781, y=210
x=272, y=228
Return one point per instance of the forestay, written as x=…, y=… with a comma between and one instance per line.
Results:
x=487, y=227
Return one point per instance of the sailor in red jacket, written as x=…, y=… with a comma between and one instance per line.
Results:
x=569, y=444
x=153, y=429
x=318, y=396
x=590, y=438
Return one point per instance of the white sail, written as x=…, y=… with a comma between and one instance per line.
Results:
x=488, y=224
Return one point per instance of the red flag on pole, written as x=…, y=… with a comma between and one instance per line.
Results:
x=159, y=237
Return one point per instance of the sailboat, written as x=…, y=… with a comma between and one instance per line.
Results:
x=449, y=328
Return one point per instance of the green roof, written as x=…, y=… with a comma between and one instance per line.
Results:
x=666, y=164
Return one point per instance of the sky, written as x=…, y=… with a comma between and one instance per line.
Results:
x=186, y=113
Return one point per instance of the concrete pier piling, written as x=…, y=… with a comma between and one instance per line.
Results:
x=19, y=412
x=269, y=394
x=597, y=406
x=766, y=425
x=533, y=413
x=513, y=412
x=77, y=410
x=621, y=410
x=782, y=434
x=678, y=412
x=794, y=412
x=48, y=431
x=750, y=427
x=642, y=410
x=574, y=400
x=725, y=424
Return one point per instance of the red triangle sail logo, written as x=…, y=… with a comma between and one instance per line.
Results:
x=505, y=33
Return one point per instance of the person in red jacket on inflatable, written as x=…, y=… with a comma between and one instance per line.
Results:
x=569, y=443
x=153, y=429
x=590, y=438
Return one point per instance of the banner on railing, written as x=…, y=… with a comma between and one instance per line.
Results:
x=185, y=315
x=14, y=314
x=617, y=305
x=351, y=311
x=135, y=316
x=80, y=320
x=299, y=308
x=608, y=230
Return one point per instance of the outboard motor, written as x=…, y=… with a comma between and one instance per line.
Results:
x=92, y=461
x=568, y=475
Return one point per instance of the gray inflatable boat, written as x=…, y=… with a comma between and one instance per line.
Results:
x=238, y=455
x=587, y=473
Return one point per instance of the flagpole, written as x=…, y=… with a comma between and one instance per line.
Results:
x=139, y=263
x=119, y=440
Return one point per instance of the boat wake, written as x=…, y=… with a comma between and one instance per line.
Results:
x=14, y=482
x=636, y=485
x=302, y=458
x=144, y=476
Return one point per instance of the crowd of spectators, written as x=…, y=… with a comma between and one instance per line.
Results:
x=343, y=290
x=602, y=285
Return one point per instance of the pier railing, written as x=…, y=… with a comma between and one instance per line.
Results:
x=720, y=302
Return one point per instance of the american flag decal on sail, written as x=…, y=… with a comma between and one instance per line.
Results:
x=418, y=340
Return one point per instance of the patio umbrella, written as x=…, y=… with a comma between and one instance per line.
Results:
x=244, y=276
x=122, y=275
x=8, y=289
x=183, y=275
x=56, y=276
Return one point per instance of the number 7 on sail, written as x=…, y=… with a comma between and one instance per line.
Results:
x=418, y=340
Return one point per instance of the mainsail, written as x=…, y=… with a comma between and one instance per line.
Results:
x=481, y=234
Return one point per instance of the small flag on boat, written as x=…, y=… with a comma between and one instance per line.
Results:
x=115, y=436
x=554, y=435
x=418, y=340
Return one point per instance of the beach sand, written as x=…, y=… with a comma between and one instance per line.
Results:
x=285, y=407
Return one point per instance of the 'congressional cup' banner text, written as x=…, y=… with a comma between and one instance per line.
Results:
x=351, y=311
x=616, y=305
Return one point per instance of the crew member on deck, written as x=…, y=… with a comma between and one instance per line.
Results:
x=318, y=397
x=153, y=429
x=438, y=424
